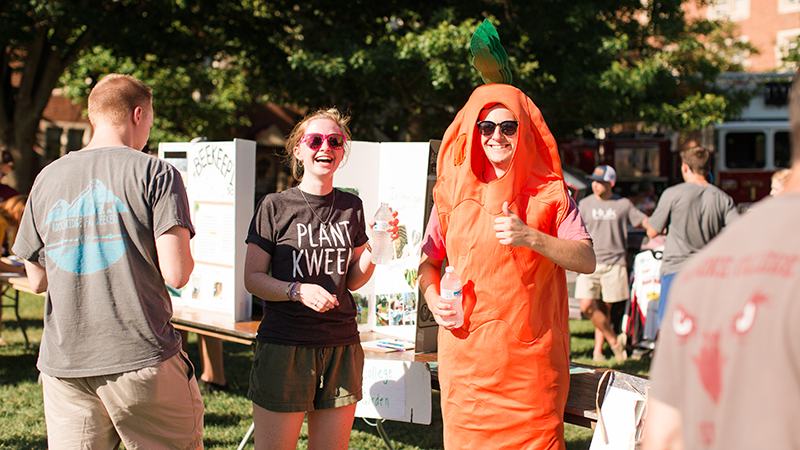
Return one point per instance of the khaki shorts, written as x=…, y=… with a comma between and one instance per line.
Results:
x=288, y=379
x=157, y=407
x=608, y=282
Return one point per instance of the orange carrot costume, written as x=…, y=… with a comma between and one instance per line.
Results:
x=505, y=374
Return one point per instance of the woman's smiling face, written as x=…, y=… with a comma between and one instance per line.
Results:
x=498, y=147
x=324, y=160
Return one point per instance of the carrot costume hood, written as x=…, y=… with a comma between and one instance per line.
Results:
x=505, y=373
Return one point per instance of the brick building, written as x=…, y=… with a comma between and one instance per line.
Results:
x=772, y=26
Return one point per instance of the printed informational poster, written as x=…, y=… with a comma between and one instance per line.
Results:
x=220, y=183
x=395, y=173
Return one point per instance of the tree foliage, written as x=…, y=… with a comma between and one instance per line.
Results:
x=41, y=39
x=401, y=68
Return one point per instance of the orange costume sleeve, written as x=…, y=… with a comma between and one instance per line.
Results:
x=505, y=373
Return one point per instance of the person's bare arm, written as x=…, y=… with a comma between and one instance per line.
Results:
x=37, y=276
x=663, y=427
x=652, y=232
x=577, y=256
x=360, y=269
x=175, y=256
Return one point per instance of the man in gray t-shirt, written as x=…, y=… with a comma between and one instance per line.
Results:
x=103, y=229
x=724, y=375
x=690, y=214
x=607, y=217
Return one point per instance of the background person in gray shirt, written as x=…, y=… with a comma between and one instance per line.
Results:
x=690, y=214
x=607, y=217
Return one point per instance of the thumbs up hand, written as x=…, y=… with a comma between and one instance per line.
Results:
x=510, y=229
x=575, y=255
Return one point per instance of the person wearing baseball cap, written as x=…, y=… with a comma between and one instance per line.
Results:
x=604, y=174
x=690, y=214
x=607, y=216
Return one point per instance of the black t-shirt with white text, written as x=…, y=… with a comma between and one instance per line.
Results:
x=303, y=250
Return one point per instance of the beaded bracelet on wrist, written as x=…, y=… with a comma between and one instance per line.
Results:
x=291, y=290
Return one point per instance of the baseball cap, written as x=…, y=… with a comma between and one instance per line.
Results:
x=604, y=173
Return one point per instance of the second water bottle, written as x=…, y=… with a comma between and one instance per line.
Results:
x=450, y=289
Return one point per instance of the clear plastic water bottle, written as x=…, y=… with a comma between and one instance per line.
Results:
x=381, y=240
x=450, y=288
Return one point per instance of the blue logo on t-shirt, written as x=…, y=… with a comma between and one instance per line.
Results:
x=93, y=213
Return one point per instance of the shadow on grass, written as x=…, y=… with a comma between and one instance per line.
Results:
x=226, y=419
x=26, y=442
x=32, y=325
x=19, y=368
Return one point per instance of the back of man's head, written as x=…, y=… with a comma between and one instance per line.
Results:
x=114, y=97
x=794, y=116
x=696, y=158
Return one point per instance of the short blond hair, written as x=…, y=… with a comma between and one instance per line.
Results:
x=781, y=176
x=299, y=130
x=114, y=97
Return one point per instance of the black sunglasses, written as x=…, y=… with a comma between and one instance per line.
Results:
x=508, y=128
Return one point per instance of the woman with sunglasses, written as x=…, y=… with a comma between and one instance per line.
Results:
x=504, y=220
x=307, y=249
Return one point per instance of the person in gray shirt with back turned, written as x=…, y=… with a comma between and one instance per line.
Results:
x=103, y=229
x=690, y=214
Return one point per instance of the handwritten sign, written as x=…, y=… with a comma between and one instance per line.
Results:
x=396, y=390
x=384, y=390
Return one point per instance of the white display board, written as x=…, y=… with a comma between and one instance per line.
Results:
x=395, y=173
x=396, y=390
x=220, y=183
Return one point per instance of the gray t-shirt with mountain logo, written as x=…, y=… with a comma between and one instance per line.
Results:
x=92, y=220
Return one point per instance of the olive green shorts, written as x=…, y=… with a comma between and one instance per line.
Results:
x=286, y=378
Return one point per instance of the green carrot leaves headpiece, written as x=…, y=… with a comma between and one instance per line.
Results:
x=488, y=55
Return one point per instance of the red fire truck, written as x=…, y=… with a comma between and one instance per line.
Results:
x=751, y=148
x=748, y=153
x=642, y=162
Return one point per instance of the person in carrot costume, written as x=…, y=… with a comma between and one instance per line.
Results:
x=504, y=220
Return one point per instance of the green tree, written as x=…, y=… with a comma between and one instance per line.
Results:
x=41, y=39
x=201, y=98
x=402, y=68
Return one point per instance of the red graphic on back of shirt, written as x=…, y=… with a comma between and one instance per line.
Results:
x=707, y=433
x=682, y=323
x=744, y=321
x=709, y=364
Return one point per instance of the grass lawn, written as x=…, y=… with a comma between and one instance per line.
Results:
x=228, y=415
